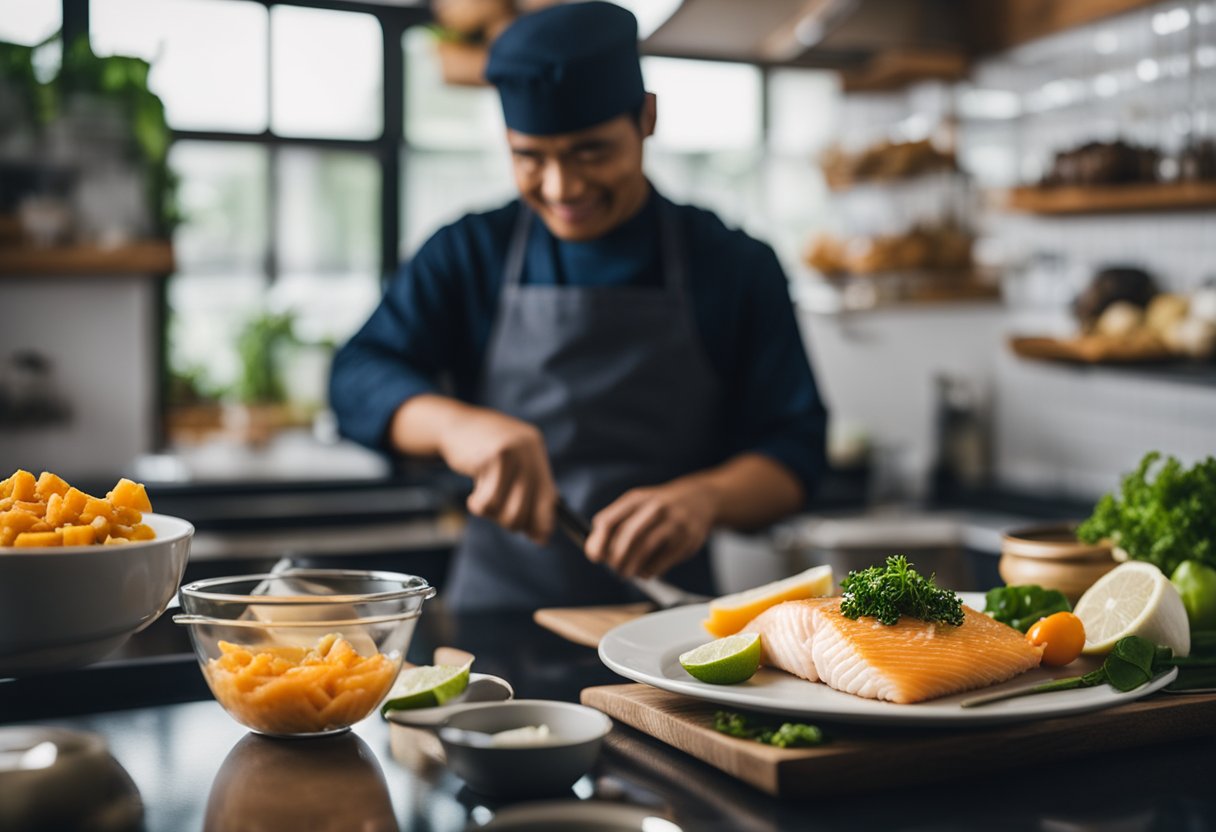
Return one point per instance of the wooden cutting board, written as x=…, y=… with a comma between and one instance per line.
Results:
x=587, y=625
x=857, y=758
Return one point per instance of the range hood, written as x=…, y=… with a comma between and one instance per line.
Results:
x=838, y=34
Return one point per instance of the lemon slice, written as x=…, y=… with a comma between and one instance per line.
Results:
x=1133, y=599
x=727, y=661
x=731, y=613
x=426, y=687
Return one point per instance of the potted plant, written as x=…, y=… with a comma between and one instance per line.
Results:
x=261, y=407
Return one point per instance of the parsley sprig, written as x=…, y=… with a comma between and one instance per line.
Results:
x=787, y=735
x=896, y=589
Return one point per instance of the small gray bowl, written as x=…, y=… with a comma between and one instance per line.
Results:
x=576, y=734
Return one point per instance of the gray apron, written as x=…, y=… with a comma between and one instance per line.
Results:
x=616, y=380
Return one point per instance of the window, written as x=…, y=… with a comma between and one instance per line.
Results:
x=705, y=105
x=209, y=59
x=29, y=22
x=455, y=158
x=326, y=69
x=328, y=240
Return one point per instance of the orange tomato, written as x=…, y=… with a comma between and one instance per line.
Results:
x=1061, y=636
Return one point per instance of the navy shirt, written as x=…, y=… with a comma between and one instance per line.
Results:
x=430, y=332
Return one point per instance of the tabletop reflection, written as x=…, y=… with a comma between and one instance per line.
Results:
x=330, y=784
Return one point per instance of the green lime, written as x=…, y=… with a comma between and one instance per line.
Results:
x=426, y=687
x=727, y=661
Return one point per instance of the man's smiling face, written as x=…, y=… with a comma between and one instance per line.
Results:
x=584, y=184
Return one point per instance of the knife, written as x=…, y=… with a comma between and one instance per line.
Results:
x=665, y=595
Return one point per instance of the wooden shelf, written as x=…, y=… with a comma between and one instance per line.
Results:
x=1107, y=199
x=149, y=257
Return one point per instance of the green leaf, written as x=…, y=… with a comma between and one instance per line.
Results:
x=894, y=590
x=1164, y=517
x=1023, y=605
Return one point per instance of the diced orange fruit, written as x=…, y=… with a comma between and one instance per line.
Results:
x=47, y=511
x=127, y=516
x=94, y=507
x=78, y=536
x=19, y=521
x=25, y=487
x=49, y=484
x=128, y=494
x=39, y=539
x=142, y=531
x=731, y=613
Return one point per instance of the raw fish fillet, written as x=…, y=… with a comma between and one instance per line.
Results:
x=910, y=661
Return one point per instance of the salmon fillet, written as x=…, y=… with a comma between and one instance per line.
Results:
x=910, y=661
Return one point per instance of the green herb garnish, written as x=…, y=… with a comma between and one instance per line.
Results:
x=888, y=592
x=1134, y=661
x=1164, y=521
x=787, y=735
x=1021, y=606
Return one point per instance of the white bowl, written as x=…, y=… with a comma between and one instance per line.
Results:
x=66, y=606
x=523, y=771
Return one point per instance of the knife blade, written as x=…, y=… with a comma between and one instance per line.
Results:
x=665, y=595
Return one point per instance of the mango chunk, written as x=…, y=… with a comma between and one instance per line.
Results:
x=128, y=494
x=25, y=487
x=29, y=539
x=141, y=531
x=47, y=511
x=18, y=520
x=78, y=536
x=49, y=484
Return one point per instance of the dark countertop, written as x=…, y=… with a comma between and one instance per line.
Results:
x=189, y=759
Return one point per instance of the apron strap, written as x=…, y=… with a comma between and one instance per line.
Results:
x=513, y=269
x=671, y=248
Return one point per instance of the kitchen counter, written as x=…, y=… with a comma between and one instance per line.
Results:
x=185, y=759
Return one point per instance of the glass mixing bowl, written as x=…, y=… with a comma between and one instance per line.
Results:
x=305, y=652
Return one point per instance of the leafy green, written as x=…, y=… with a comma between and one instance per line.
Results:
x=1134, y=661
x=787, y=735
x=894, y=590
x=1021, y=606
x=1163, y=520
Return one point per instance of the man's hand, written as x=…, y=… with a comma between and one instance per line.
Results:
x=512, y=483
x=647, y=531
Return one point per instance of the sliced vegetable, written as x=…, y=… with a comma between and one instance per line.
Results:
x=1021, y=606
x=1062, y=637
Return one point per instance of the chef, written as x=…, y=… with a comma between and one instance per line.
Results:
x=590, y=339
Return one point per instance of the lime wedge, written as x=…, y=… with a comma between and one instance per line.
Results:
x=426, y=687
x=727, y=661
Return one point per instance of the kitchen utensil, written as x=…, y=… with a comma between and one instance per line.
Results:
x=375, y=612
x=664, y=594
x=45, y=625
x=576, y=733
x=863, y=759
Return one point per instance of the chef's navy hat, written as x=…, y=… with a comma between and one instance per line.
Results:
x=567, y=67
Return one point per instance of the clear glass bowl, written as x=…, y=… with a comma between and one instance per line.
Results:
x=306, y=652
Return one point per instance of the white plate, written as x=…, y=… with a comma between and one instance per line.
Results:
x=647, y=650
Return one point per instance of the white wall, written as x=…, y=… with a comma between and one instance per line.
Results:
x=876, y=371
x=97, y=332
